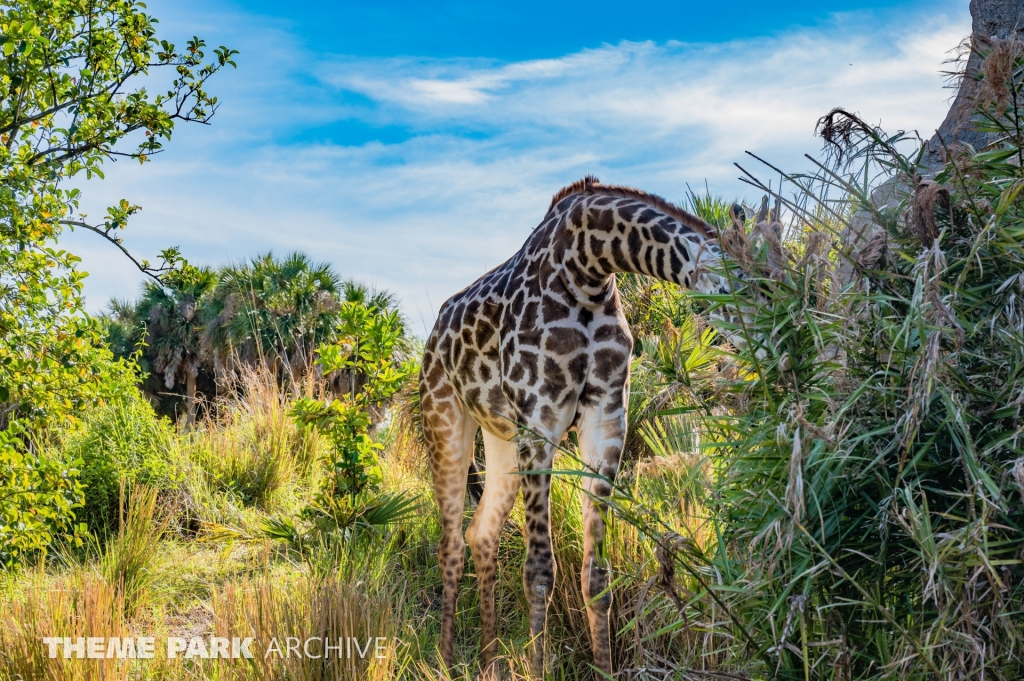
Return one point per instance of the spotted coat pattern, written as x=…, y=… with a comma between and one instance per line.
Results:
x=534, y=349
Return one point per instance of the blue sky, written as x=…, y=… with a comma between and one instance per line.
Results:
x=415, y=145
x=531, y=29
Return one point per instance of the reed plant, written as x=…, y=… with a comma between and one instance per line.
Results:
x=131, y=561
x=78, y=607
x=865, y=493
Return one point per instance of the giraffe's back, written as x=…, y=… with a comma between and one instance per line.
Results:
x=517, y=346
x=463, y=348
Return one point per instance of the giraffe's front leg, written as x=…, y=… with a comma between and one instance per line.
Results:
x=602, y=435
x=539, y=568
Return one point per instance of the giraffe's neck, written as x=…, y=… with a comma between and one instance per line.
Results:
x=599, y=237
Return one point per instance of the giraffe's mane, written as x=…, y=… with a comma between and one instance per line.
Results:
x=591, y=185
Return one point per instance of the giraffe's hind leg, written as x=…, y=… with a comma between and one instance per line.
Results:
x=449, y=433
x=501, y=485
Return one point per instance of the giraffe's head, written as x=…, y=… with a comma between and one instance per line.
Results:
x=733, y=263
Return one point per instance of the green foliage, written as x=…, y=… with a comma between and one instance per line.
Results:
x=197, y=327
x=376, y=301
x=865, y=487
x=174, y=333
x=38, y=497
x=173, y=330
x=247, y=457
x=651, y=305
x=69, y=73
x=272, y=310
x=713, y=210
x=346, y=424
x=124, y=332
x=248, y=472
x=339, y=519
x=121, y=442
x=368, y=342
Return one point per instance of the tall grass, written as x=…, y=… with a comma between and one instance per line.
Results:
x=273, y=606
x=865, y=490
x=249, y=453
x=343, y=612
x=82, y=607
x=131, y=561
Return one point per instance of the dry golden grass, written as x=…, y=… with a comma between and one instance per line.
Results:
x=303, y=609
x=250, y=449
x=78, y=607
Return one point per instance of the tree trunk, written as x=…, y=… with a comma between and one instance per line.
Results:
x=190, y=399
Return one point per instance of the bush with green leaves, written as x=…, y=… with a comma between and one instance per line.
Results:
x=39, y=497
x=368, y=346
x=121, y=443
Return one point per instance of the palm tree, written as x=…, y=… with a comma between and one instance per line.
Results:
x=123, y=328
x=375, y=301
x=272, y=310
x=174, y=332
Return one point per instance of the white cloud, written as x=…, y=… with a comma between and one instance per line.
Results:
x=481, y=146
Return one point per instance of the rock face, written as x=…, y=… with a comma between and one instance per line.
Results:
x=990, y=19
x=1000, y=19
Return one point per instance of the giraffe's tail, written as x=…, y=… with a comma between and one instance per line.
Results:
x=475, y=482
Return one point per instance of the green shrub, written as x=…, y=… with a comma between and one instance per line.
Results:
x=369, y=348
x=121, y=439
x=38, y=497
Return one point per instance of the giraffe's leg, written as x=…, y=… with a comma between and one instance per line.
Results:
x=500, y=487
x=449, y=434
x=601, y=436
x=539, y=569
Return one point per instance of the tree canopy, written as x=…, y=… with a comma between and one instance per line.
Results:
x=72, y=78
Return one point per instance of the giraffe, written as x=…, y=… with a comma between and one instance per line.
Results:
x=540, y=345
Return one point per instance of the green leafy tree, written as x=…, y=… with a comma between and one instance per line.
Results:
x=70, y=78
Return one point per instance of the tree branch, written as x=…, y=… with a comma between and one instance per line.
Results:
x=145, y=269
